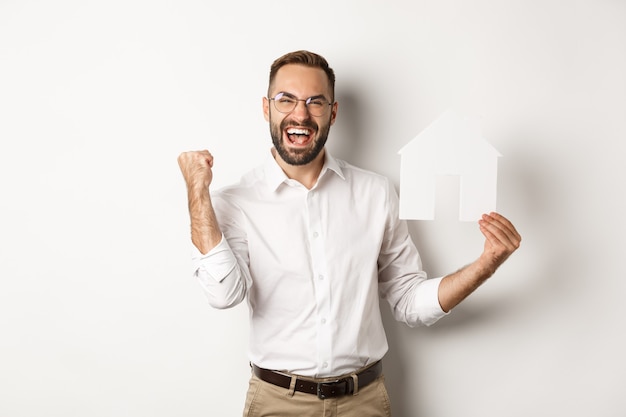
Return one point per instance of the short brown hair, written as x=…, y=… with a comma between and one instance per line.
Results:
x=307, y=58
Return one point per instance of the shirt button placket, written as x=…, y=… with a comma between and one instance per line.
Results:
x=322, y=287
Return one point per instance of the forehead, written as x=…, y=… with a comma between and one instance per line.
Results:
x=301, y=80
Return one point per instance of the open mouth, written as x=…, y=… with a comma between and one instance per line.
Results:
x=299, y=136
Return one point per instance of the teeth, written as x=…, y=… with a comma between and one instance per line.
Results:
x=294, y=131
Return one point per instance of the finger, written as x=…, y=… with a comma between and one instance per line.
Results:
x=498, y=234
x=195, y=157
x=206, y=157
x=503, y=224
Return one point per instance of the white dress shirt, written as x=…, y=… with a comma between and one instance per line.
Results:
x=312, y=265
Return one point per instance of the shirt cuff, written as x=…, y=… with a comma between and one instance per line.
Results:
x=428, y=301
x=217, y=263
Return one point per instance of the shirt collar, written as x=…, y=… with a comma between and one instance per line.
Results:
x=332, y=164
x=275, y=176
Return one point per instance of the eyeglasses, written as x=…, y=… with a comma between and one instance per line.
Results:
x=286, y=103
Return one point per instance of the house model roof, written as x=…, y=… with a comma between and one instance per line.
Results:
x=451, y=145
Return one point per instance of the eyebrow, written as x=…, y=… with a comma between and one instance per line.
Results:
x=286, y=93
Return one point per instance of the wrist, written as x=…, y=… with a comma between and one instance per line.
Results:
x=485, y=266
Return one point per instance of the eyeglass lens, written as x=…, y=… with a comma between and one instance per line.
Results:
x=286, y=103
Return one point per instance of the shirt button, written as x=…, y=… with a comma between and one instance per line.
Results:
x=323, y=321
x=320, y=277
x=325, y=365
x=315, y=234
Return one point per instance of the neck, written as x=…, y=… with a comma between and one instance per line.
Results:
x=306, y=175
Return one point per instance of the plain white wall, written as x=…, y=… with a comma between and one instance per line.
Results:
x=99, y=315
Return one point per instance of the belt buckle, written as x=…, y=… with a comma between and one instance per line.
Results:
x=329, y=384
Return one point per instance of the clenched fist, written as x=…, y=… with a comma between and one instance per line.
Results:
x=196, y=167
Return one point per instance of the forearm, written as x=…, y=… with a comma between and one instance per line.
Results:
x=205, y=231
x=455, y=287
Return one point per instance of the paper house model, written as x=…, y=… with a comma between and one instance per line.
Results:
x=451, y=145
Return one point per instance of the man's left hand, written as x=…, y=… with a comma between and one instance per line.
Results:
x=502, y=239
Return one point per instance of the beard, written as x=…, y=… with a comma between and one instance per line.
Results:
x=299, y=156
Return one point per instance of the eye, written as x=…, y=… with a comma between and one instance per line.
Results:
x=316, y=102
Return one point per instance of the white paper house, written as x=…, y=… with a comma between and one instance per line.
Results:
x=451, y=145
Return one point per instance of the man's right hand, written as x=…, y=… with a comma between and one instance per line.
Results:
x=196, y=167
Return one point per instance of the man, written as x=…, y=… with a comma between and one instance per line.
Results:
x=312, y=242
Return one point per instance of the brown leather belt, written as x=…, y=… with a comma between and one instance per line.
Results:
x=324, y=389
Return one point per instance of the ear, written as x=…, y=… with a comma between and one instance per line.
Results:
x=333, y=113
x=266, y=109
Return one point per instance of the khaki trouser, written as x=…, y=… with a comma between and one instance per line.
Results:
x=265, y=400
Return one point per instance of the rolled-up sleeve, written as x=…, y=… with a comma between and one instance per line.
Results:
x=219, y=275
x=414, y=299
x=426, y=308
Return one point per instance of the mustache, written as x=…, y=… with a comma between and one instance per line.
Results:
x=308, y=123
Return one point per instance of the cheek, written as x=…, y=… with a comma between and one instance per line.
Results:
x=276, y=125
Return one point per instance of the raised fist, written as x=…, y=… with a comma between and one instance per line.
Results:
x=196, y=167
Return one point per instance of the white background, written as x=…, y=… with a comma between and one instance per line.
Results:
x=99, y=313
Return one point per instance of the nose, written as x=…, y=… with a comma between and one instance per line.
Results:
x=301, y=110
